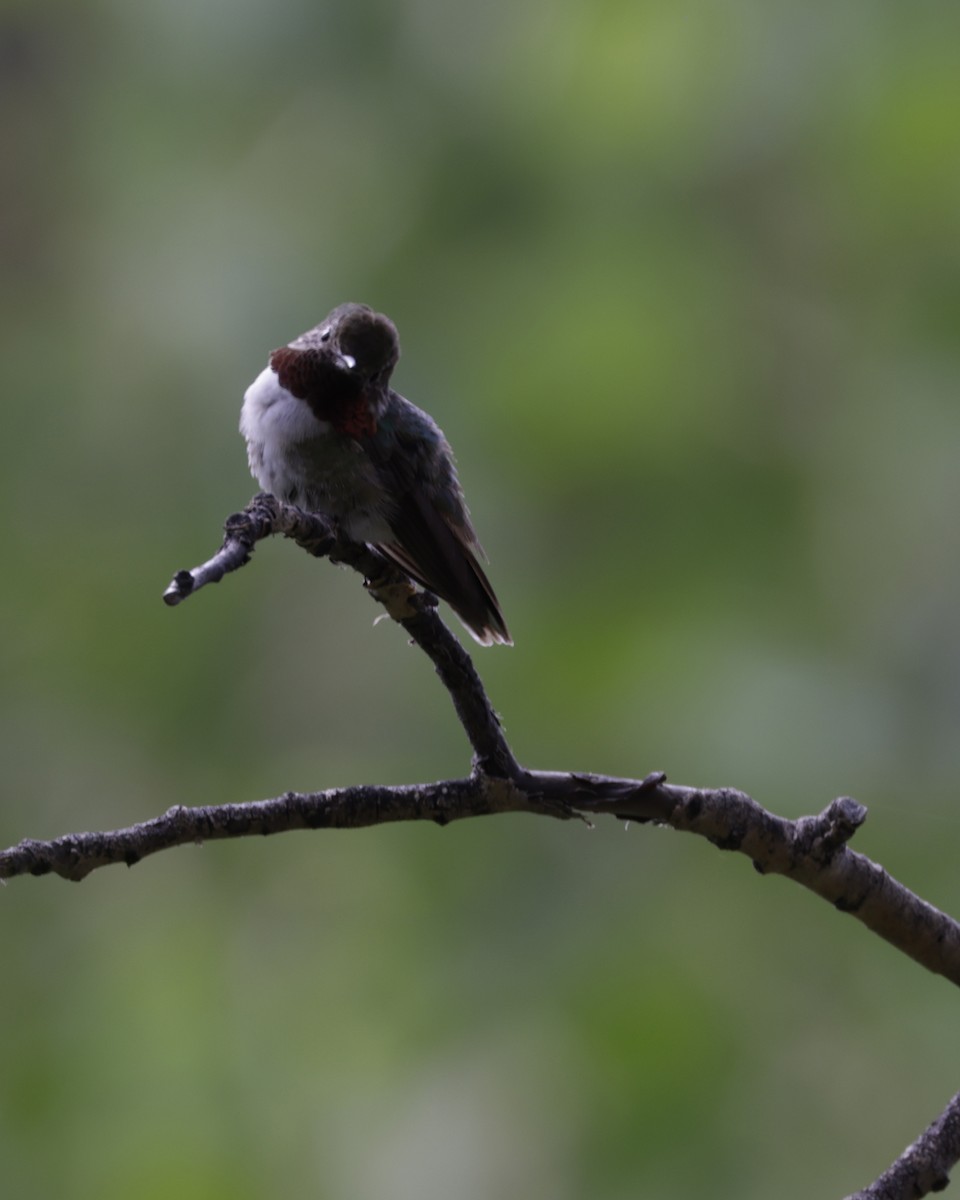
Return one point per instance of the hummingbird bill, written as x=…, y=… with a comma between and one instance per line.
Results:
x=326, y=431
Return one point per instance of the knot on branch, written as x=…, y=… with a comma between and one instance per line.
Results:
x=258, y=520
x=820, y=837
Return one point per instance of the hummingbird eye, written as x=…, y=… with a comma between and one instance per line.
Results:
x=325, y=337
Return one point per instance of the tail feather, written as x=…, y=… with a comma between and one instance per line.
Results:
x=464, y=586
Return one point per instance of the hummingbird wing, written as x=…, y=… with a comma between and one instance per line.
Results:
x=437, y=556
x=434, y=541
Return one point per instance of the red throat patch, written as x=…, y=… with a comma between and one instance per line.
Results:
x=332, y=395
x=356, y=419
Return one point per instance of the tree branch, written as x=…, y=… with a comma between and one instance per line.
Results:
x=415, y=610
x=924, y=1166
x=812, y=851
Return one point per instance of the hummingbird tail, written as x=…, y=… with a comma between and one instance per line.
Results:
x=465, y=587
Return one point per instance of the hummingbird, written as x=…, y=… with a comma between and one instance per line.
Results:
x=326, y=431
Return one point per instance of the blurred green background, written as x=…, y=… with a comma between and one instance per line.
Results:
x=680, y=281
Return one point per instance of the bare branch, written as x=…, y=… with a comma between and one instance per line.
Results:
x=263, y=517
x=76, y=855
x=812, y=851
x=410, y=607
x=925, y=1165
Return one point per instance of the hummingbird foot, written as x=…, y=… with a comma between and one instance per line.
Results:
x=398, y=597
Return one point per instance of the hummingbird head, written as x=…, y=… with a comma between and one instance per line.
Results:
x=341, y=367
x=355, y=340
x=366, y=340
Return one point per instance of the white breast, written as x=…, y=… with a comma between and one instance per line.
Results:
x=273, y=421
x=271, y=414
x=302, y=460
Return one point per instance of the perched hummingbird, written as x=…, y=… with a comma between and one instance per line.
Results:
x=325, y=431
